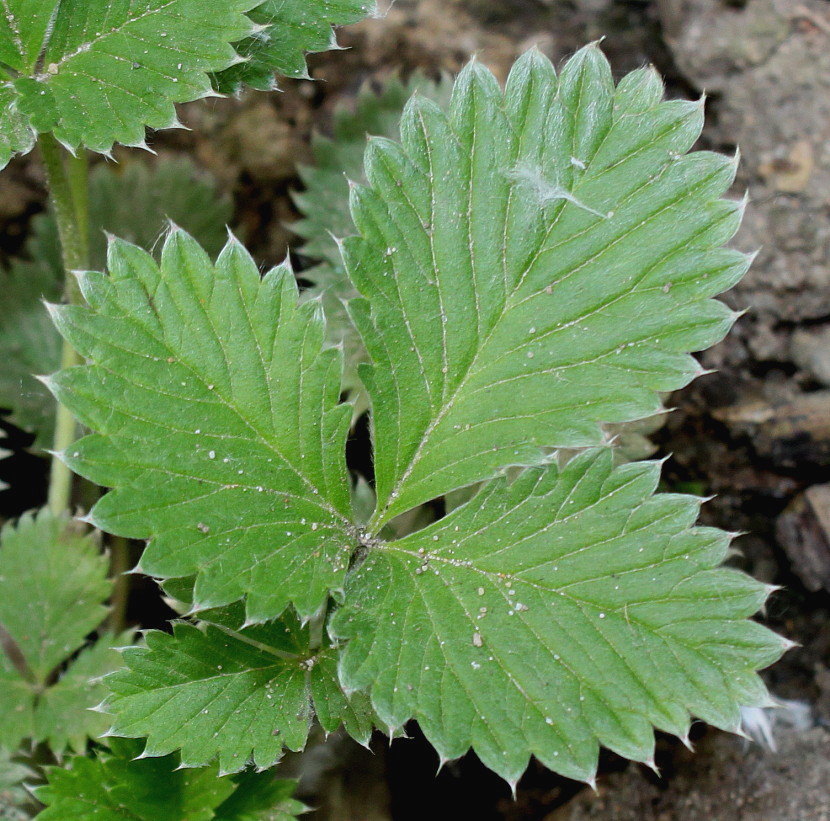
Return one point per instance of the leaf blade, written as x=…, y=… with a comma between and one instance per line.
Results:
x=230, y=695
x=133, y=203
x=479, y=237
x=212, y=393
x=96, y=73
x=54, y=581
x=288, y=30
x=554, y=615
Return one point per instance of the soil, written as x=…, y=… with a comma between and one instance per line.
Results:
x=756, y=432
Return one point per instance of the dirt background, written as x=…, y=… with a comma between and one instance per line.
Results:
x=756, y=432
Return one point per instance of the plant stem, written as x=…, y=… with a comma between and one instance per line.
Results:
x=67, y=201
x=67, y=177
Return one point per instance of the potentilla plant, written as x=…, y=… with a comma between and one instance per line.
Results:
x=528, y=264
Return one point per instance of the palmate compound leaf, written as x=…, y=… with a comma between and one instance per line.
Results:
x=325, y=206
x=554, y=614
x=287, y=29
x=53, y=583
x=545, y=616
x=96, y=72
x=534, y=264
x=216, y=408
x=133, y=201
x=232, y=695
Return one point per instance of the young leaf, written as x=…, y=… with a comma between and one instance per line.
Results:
x=325, y=206
x=53, y=581
x=555, y=614
x=118, y=786
x=15, y=800
x=64, y=715
x=216, y=406
x=134, y=202
x=95, y=73
x=287, y=29
x=17, y=704
x=29, y=344
x=553, y=242
x=232, y=695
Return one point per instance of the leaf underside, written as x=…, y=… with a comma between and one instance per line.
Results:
x=133, y=201
x=532, y=265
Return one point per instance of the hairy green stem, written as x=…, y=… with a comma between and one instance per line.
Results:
x=68, y=201
x=67, y=177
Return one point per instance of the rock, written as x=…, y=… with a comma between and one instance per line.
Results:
x=769, y=62
x=727, y=780
x=810, y=350
x=803, y=530
x=789, y=433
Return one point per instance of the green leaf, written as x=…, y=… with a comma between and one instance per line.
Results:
x=555, y=614
x=133, y=201
x=12, y=773
x=553, y=242
x=325, y=205
x=23, y=30
x=137, y=200
x=15, y=800
x=118, y=786
x=64, y=715
x=16, y=135
x=29, y=344
x=215, y=403
x=261, y=797
x=95, y=73
x=233, y=695
x=287, y=29
x=53, y=581
x=17, y=704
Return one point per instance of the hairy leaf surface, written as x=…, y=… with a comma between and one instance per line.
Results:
x=16, y=134
x=133, y=202
x=231, y=695
x=553, y=242
x=555, y=614
x=218, y=425
x=287, y=30
x=95, y=73
x=325, y=206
